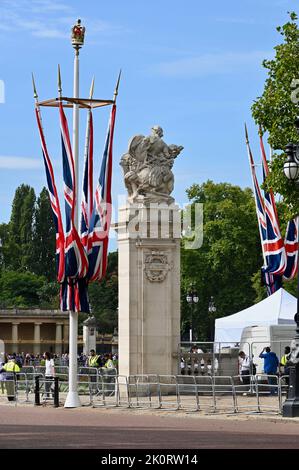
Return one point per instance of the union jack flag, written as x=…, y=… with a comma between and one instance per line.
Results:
x=74, y=295
x=54, y=201
x=76, y=263
x=98, y=237
x=274, y=250
x=87, y=189
x=291, y=247
x=272, y=281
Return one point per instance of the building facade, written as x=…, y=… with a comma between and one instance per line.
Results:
x=34, y=330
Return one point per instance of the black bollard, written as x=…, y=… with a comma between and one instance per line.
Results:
x=36, y=392
x=56, y=393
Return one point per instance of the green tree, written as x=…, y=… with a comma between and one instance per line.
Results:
x=20, y=289
x=275, y=110
x=44, y=235
x=18, y=245
x=103, y=296
x=229, y=256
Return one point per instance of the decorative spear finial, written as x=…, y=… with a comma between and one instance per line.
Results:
x=59, y=82
x=246, y=134
x=91, y=88
x=260, y=131
x=77, y=36
x=117, y=85
x=34, y=88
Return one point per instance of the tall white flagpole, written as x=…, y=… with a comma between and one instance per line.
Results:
x=72, y=399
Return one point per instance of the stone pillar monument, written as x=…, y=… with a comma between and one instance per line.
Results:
x=149, y=259
x=89, y=335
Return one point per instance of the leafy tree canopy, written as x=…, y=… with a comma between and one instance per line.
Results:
x=275, y=110
x=228, y=258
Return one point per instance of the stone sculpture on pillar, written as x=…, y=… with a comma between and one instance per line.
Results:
x=149, y=236
x=147, y=167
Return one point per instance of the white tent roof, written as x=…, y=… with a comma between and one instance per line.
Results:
x=277, y=309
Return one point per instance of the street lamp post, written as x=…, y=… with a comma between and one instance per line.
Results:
x=192, y=299
x=290, y=407
x=212, y=310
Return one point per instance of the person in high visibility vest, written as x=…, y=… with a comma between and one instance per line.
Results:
x=109, y=362
x=10, y=369
x=283, y=363
x=93, y=359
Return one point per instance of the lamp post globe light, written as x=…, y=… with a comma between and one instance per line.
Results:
x=212, y=310
x=290, y=407
x=192, y=299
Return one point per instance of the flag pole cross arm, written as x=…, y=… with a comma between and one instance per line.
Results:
x=81, y=102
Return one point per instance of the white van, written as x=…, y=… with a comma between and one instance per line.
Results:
x=256, y=338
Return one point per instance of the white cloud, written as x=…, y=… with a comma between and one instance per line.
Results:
x=209, y=64
x=19, y=163
x=48, y=19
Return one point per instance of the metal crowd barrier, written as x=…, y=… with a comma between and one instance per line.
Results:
x=187, y=393
x=267, y=385
x=223, y=386
x=143, y=391
x=104, y=388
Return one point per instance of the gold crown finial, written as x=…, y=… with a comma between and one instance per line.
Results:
x=78, y=33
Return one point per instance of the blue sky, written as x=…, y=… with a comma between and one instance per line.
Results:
x=193, y=67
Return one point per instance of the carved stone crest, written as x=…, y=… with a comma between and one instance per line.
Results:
x=156, y=266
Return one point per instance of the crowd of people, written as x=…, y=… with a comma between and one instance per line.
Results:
x=11, y=365
x=30, y=359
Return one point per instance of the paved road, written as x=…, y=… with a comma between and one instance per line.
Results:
x=27, y=427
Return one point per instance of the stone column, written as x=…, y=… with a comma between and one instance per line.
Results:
x=37, y=342
x=149, y=289
x=58, y=338
x=15, y=337
x=66, y=337
x=89, y=335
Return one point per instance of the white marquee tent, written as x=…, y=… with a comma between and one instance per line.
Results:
x=277, y=309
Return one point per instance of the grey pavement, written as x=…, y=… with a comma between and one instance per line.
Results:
x=28, y=427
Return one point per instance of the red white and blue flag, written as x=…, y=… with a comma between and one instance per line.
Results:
x=272, y=281
x=80, y=260
x=76, y=263
x=87, y=187
x=274, y=250
x=98, y=237
x=291, y=247
x=54, y=201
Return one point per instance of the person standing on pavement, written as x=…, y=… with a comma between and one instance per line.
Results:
x=49, y=373
x=10, y=369
x=3, y=360
x=285, y=369
x=93, y=361
x=244, y=368
x=271, y=363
